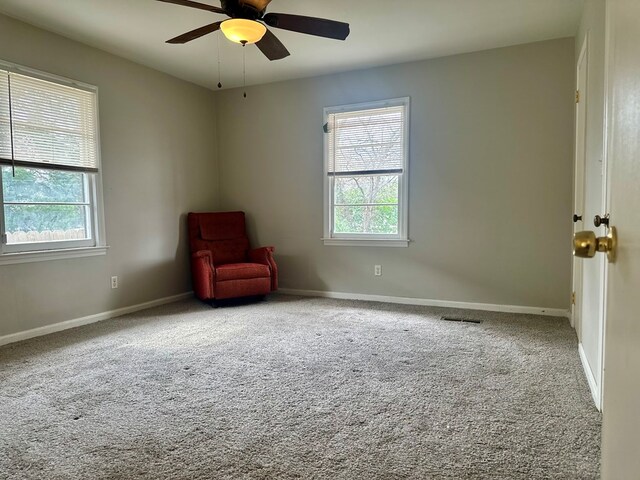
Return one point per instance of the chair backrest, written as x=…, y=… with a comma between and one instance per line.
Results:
x=222, y=233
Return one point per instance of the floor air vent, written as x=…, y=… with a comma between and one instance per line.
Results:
x=464, y=320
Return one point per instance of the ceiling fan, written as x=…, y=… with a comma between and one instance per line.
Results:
x=246, y=25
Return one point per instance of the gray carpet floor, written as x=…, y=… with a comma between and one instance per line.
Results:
x=299, y=388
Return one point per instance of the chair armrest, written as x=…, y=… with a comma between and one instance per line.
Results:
x=261, y=255
x=264, y=255
x=203, y=274
x=203, y=255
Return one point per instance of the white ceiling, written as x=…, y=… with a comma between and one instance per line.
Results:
x=382, y=33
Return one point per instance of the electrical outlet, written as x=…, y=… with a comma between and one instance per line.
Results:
x=114, y=282
x=377, y=270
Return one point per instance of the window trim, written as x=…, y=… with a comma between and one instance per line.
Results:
x=48, y=255
x=33, y=252
x=401, y=239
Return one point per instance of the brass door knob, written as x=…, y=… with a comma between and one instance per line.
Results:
x=586, y=244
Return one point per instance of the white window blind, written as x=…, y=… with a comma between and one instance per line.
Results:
x=45, y=124
x=369, y=142
x=5, y=128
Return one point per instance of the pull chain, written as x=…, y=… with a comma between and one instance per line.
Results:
x=219, y=77
x=244, y=68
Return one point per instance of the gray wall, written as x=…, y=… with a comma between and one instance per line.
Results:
x=490, y=187
x=159, y=158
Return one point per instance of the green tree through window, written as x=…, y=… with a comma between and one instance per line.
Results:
x=38, y=200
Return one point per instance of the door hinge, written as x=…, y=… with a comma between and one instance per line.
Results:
x=573, y=298
x=577, y=96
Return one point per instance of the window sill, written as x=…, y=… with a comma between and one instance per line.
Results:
x=362, y=242
x=47, y=255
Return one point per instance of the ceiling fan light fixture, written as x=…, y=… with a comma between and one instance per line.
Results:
x=240, y=30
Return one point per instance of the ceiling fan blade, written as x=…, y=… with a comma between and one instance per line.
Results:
x=197, y=33
x=309, y=25
x=201, y=6
x=272, y=48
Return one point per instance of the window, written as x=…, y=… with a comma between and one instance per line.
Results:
x=366, y=184
x=49, y=164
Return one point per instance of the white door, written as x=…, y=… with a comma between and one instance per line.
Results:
x=578, y=204
x=621, y=412
x=588, y=315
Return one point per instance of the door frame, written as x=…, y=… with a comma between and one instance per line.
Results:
x=621, y=424
x=606, y=182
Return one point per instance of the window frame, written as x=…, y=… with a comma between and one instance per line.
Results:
x=39, y=251
x=401, y=239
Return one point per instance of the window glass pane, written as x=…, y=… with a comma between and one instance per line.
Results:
x=361, y=219
x=45, y=223
x=37, y=185
x=374, y=189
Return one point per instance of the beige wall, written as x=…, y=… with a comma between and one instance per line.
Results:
x=159, y=158
x=490, y=188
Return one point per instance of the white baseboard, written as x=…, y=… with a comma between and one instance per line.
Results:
x=552, y=312
x=98, y=317
x=77, y=322
x=591, y=380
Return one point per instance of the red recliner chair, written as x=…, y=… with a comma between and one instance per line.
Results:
x=222, y=264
